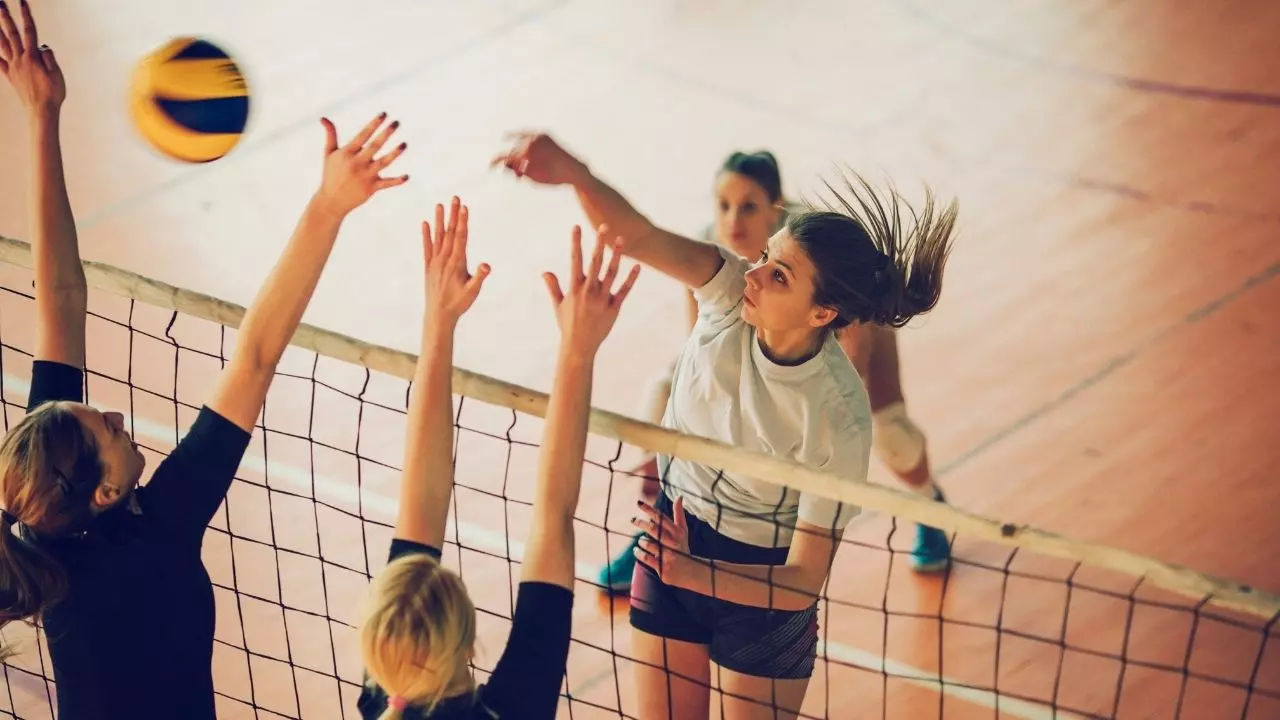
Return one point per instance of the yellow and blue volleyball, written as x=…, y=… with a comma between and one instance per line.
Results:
x=189, y=100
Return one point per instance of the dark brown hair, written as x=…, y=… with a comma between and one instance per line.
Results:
x=761, y=167
x=869, y=268
x=50, y=468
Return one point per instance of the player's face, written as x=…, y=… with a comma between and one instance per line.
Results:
x=121, y=460
x=745, y=218
x=779, y=293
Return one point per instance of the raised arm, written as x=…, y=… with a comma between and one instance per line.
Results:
x=537, y=157
x=585, y=313
x=351, y=177
x=428, y=457
x=60, y=290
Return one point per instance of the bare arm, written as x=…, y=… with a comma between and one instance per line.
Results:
x=427, y=483
x=691, y=262
x=539, y=158
x=551, y=548
x=60, y=289
x=351, y=177
x=585, y=314
x=61, y=293
x=793, y=586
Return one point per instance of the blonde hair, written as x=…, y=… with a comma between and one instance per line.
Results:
x=49, y=470
x=419, y=633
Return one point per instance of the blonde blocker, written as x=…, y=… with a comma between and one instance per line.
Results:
x=869, y=269
x=49, y=467
x=418, y=635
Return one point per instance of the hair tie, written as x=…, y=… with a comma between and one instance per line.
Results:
x=398, y=703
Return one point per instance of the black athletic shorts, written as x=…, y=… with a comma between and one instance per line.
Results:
x=761, y=642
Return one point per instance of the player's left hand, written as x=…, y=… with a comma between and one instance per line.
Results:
x=664, y=547
x=29, y=67
x=352, y=172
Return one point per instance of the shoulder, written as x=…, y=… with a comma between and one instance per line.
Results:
x=841, y=392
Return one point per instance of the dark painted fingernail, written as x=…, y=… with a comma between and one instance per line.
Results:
x=404, y=145
x=395, y=124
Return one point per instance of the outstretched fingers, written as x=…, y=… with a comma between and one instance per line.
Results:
x=553, y=288
x=460, y=230
x=30, y=35
x=330, y=136
x=575, y=259
x=428, y=246
x=621, y=296
x=358, y=142
x=597, y=258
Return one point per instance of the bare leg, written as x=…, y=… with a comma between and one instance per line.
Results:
x=747, y=697
x=673, y=678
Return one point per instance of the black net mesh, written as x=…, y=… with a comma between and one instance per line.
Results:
x=1007, y=633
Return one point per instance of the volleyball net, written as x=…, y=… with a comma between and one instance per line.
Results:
x=1027, y=624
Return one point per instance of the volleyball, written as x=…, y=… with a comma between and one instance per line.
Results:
x=189, y=100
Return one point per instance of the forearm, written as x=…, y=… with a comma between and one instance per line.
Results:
x=427, y=485
x=277, y=310
x=781, y=587
x=60, y=289
x=692, y=263
x=57, y=252
x=565, y=440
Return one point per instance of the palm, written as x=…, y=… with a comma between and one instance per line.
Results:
x=451, y=288
x=587, y=312
x=352, y=171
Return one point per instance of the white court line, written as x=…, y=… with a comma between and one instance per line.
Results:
x=481, y=538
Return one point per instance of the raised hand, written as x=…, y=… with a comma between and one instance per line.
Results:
x=352, y=173
x=451, y=288
x=586, y=313
x=537, y=157
x=29, y=67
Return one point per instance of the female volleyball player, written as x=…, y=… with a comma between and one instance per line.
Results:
x=112, y=568
x=419, y=633
x=741, y=563
x=750, y=208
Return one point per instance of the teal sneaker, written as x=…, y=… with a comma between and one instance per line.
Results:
x=932, y=550
x=616, y=576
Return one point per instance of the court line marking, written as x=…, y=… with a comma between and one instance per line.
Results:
x=467, y=534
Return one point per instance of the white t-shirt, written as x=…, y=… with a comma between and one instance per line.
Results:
x=726, y=389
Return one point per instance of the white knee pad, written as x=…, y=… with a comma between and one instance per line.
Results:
x=897, y=440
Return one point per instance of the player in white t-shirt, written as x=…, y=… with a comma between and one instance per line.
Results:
x=736, y=579
x=750, y=208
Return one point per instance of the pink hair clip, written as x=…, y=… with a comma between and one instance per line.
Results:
x=398, y=703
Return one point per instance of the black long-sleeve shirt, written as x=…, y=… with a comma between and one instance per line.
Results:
x=526, y=681
x=134, y=636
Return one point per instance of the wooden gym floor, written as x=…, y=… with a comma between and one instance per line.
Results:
x=1102, y=364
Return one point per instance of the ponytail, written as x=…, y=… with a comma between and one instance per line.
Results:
x=30, y=580
x=50, y=469
x=869, y=269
